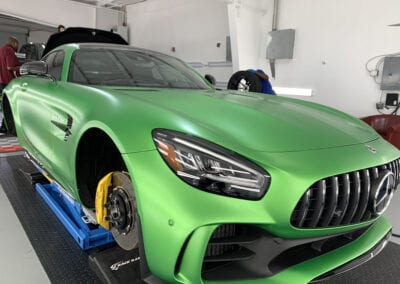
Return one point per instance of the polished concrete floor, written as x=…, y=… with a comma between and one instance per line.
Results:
x=18, y=260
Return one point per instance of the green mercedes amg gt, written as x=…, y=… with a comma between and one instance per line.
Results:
x=211, y=186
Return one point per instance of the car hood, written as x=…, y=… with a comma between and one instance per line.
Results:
x=256, y=121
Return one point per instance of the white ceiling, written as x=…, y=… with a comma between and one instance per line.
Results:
x=9, y=23
x=114, y=4
x=20, y=25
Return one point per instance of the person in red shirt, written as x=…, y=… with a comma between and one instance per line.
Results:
x=9, y=67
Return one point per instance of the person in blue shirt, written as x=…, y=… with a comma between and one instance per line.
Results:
x=266, y=85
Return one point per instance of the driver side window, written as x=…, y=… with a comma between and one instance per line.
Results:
x=55, y=62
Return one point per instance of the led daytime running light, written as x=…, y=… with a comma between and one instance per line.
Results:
x=209, y=167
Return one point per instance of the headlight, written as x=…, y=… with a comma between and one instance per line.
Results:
x=209, y=167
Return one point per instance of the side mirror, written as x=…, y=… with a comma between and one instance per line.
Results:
x=210, y=79
x=34, y=68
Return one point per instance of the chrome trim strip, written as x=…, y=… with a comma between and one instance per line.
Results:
x=354, y=198
x=334, y=196
x=305, y=203
x=320, y=192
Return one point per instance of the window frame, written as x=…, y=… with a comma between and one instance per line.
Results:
x=49, y=68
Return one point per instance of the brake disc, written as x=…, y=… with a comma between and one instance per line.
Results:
x=122, y=212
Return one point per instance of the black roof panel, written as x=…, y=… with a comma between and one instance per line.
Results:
x=76, y=35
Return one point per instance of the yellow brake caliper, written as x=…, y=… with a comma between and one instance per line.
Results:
x=101, y=200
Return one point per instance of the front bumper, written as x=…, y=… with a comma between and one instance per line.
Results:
x=377, y=249
x=343, y=258
x=178, y=220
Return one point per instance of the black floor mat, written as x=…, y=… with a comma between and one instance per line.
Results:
x=382, y=269
x=62, y=259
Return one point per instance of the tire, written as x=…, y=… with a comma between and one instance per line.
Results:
x=245, y=81
x=122, y=212
x=8, y=117
x=210, y=79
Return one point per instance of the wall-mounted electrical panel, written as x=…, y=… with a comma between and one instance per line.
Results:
x=391, y=73
x=281, y=44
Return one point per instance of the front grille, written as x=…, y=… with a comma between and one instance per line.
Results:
x=340, y=200
x=244, y=252
x=226, y=244
x=229, y=245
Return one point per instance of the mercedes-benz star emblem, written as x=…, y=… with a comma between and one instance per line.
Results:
x=382, y=192
x=371, y=149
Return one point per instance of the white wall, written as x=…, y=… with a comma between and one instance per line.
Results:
x=51, y=12
x=193, y=27
x=249, y=23
x=4, y=35
x=107, y=19
x=39, y=36
x=334, y=39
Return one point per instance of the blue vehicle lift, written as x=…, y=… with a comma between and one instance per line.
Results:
x=110, y=263
x=71, y=215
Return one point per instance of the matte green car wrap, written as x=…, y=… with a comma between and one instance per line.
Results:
x=196, y=210
x=297, y=143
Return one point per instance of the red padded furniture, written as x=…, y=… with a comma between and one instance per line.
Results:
x=387, y=125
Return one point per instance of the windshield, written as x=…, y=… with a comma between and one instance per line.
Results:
x=124, y=67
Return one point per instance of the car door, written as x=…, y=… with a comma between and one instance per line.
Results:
x=63, y=111
x=60, y=121
x=35, y=105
